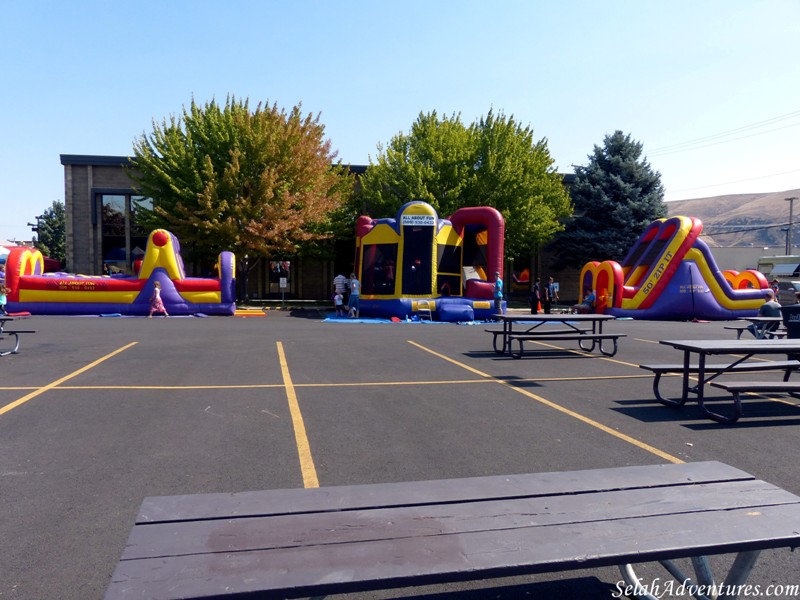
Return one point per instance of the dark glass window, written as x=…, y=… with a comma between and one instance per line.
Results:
x=417, y=264
x=124, y=238
x=112, y=209
x=448, y=285
x=378, y=272
x=449, y=258
x=113, y=215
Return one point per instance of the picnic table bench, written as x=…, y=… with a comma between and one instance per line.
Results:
x=582, y=338
x=788, y=366
x=313, y=542
x=587, y=329
x=737, y=388
x=765, y=327
x=740, y=352
x=5, y=334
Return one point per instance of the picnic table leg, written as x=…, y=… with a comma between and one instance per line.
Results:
x=702, y=570
x=725, y=420
x=495, y=335
x=714, y=416
x=590, y=348
x=737, y=577
x=640, y=587
x=511, y=350
x=606, y=352
x=684, y=385
x=666, y=401
x=687, y=361
x=594, y=330
x=15, y=349
x=700, y=391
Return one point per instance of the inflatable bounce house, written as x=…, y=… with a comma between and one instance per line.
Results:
x=40, y=293
x=670, y=274
x=447, y=265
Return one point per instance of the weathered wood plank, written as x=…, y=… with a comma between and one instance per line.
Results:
x=335, y=498
x=773, y=365
x=383, y=564
x=758, y=386
x=547, y=513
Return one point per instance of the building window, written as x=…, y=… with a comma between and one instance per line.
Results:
x=124, y=239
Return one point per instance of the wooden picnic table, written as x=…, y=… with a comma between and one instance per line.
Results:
x=587, y=329
x=764, y=326
x=312, y=542
x=741, y=351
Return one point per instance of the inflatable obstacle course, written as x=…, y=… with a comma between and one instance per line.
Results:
x=60, y=293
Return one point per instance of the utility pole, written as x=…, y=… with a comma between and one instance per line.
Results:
x=791, y=222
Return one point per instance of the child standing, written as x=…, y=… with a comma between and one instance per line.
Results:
x=4, y=291
x=338, y=301
x=156, y=304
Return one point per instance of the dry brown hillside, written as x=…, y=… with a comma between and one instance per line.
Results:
x=743, y=219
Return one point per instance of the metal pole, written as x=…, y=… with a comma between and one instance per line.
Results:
x=791, y=222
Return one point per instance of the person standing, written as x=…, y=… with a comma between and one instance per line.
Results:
x=338, y=302
x=156, y=303
x=355, y=292
x=550, y=295
x=536, y=297
x=498, y=293
x=340, y=287
x=4, y=292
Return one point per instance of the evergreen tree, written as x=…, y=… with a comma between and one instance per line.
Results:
x=615, y=197
x=51, y=230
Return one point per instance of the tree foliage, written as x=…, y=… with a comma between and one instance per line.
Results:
x=51, y=230
x=222, y=177
x=493, y=162
x=615, y=196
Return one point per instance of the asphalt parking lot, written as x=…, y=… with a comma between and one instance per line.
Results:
x=98, y=413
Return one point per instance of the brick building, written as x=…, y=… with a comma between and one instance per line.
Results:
x=102, y=232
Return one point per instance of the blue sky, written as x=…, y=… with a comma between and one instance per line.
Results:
x=710, y=87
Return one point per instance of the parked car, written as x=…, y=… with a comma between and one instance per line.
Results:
x=788, y=292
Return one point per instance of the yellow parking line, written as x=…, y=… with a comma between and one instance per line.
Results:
x=255, y=386
x=571, y=413
x=50, y=386
x=280, y=386
x=307, y=468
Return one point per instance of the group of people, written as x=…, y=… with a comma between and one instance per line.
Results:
x=346, y=295
x=544, y=296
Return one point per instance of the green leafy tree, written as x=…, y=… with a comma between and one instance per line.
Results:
x=493, y=162
x=517, y=176
x=261, y=182
x=615, y=196
x=51, y=230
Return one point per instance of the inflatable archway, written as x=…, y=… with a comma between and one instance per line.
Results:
x=418, y=256
x=671, y=274
x=41, y=293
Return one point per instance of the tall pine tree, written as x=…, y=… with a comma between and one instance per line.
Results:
x=615, y=197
